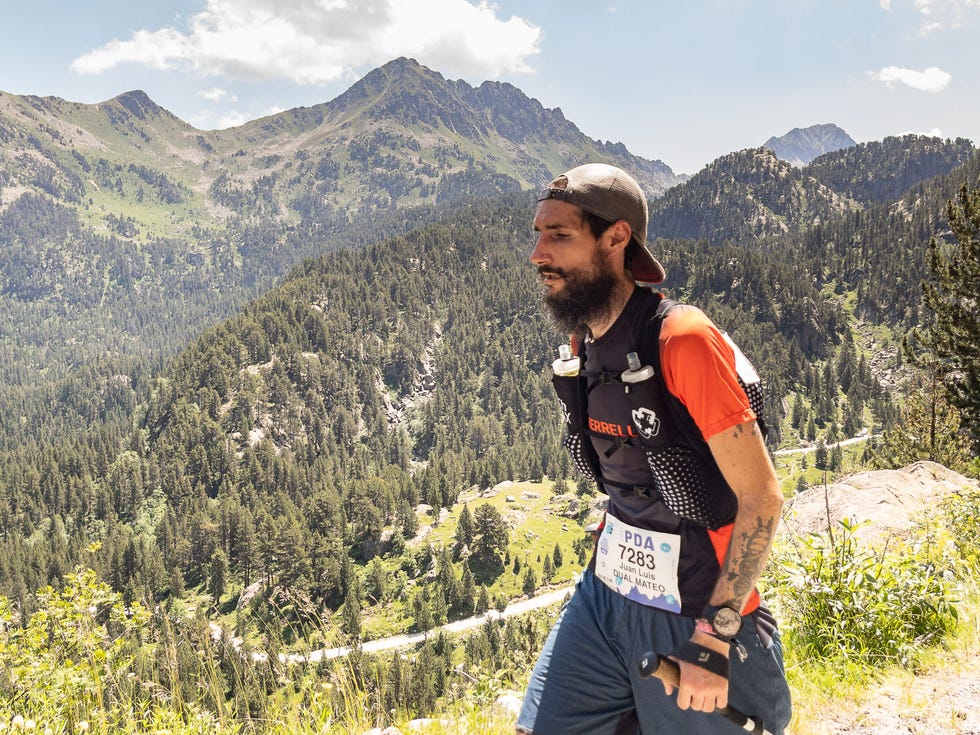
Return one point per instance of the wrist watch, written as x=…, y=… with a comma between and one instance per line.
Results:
x=724, y=620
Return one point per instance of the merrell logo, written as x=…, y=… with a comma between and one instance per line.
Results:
x=703, y=657
x=609, y=429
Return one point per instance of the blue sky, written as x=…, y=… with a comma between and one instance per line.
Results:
x=683, y=81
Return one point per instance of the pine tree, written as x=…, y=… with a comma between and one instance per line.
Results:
x=530, y=581
x=820, y=456
x=483, y=601
x=490, y=536
x=350, y=614
x=464, y=528
x=217, y=574
x=547, y=570
x=467, y=591
x=928, y=429
x=953, y=297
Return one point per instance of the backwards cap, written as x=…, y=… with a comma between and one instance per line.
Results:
x=612, y=194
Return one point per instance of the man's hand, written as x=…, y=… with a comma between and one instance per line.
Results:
x=700, y=689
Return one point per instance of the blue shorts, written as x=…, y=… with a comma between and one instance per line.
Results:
x=587, y=680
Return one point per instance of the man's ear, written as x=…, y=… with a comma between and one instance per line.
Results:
x=619, y=234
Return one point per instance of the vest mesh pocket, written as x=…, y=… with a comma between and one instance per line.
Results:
x=575, y=444
x=683, y=486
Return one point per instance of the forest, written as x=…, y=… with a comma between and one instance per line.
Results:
x=293, y=441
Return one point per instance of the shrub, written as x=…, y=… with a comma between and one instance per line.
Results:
x=962, y=522
x=842, y=600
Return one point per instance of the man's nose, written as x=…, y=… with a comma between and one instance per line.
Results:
x=539, y=255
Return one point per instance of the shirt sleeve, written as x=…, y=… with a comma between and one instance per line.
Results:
x=699, y=369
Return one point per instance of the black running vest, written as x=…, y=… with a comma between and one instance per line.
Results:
x=683, y=490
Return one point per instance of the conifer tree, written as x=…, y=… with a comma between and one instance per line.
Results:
x=467, y=591
x=464, y=528
x=928, y=429
x=490, y=535
x=953, y=297
x=483, y=601
x=530, y=581
x=217, y=574
x=547, y=570
x=350, y=614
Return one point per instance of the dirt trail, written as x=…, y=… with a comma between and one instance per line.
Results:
x=940, y=700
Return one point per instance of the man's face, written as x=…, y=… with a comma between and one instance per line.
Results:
x=576, y=273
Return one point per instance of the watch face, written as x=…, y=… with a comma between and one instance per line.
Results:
x=727, y=622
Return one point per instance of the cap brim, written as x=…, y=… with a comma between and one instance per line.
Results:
x=647, y=269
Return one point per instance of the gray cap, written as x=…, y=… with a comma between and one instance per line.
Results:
x=612, y=194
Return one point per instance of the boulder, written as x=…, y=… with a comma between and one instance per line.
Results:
x=891, y=502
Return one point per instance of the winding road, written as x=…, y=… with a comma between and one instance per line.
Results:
x=545, y=599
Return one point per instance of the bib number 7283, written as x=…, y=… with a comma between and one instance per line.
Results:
x=640, y=564
x=642, y=559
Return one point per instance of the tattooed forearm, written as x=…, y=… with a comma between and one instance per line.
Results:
x=743, y=459
x=747, y=556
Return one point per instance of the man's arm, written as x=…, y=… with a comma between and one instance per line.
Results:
x=743, y=459
x=741, y=454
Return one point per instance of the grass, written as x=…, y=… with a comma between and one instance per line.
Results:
x=825, y=690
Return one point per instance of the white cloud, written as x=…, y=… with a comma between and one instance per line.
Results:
x=316, y=41
x=932, y=79
x=232, y=120
x=944, y=15
x=885, y=4
x=216, y=94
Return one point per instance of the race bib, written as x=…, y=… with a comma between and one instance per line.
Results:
x=639, y=564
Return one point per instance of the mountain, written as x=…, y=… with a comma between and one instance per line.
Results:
x=752, y=194
x=882, y=171
x=124, y=231
x=400, y=137
x=801, y=145
x=745, y=195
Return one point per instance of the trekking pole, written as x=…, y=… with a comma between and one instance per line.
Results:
x=653, y=664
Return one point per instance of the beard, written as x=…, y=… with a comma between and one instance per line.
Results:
x=586, y=296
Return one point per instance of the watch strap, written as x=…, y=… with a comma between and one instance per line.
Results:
x=703, y=625
x=704, y=657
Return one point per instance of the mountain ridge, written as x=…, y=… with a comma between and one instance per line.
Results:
x=800, y=146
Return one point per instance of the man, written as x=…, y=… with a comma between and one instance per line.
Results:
x=691, y=511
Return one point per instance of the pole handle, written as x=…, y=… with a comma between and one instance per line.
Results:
x=660, y=667
x=663, y=668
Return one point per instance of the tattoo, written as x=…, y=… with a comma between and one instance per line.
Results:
x=739, y=429
x=750, y=557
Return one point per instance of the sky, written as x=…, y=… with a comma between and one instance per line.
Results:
x=680, y=81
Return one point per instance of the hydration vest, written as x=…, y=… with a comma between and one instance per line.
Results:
x=684, y=474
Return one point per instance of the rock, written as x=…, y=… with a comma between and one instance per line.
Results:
x=509, y=703
x=247, y=594
x=423, y=723
x=892, y=501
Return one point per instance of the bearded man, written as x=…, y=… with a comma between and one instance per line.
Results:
x=660, y=417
